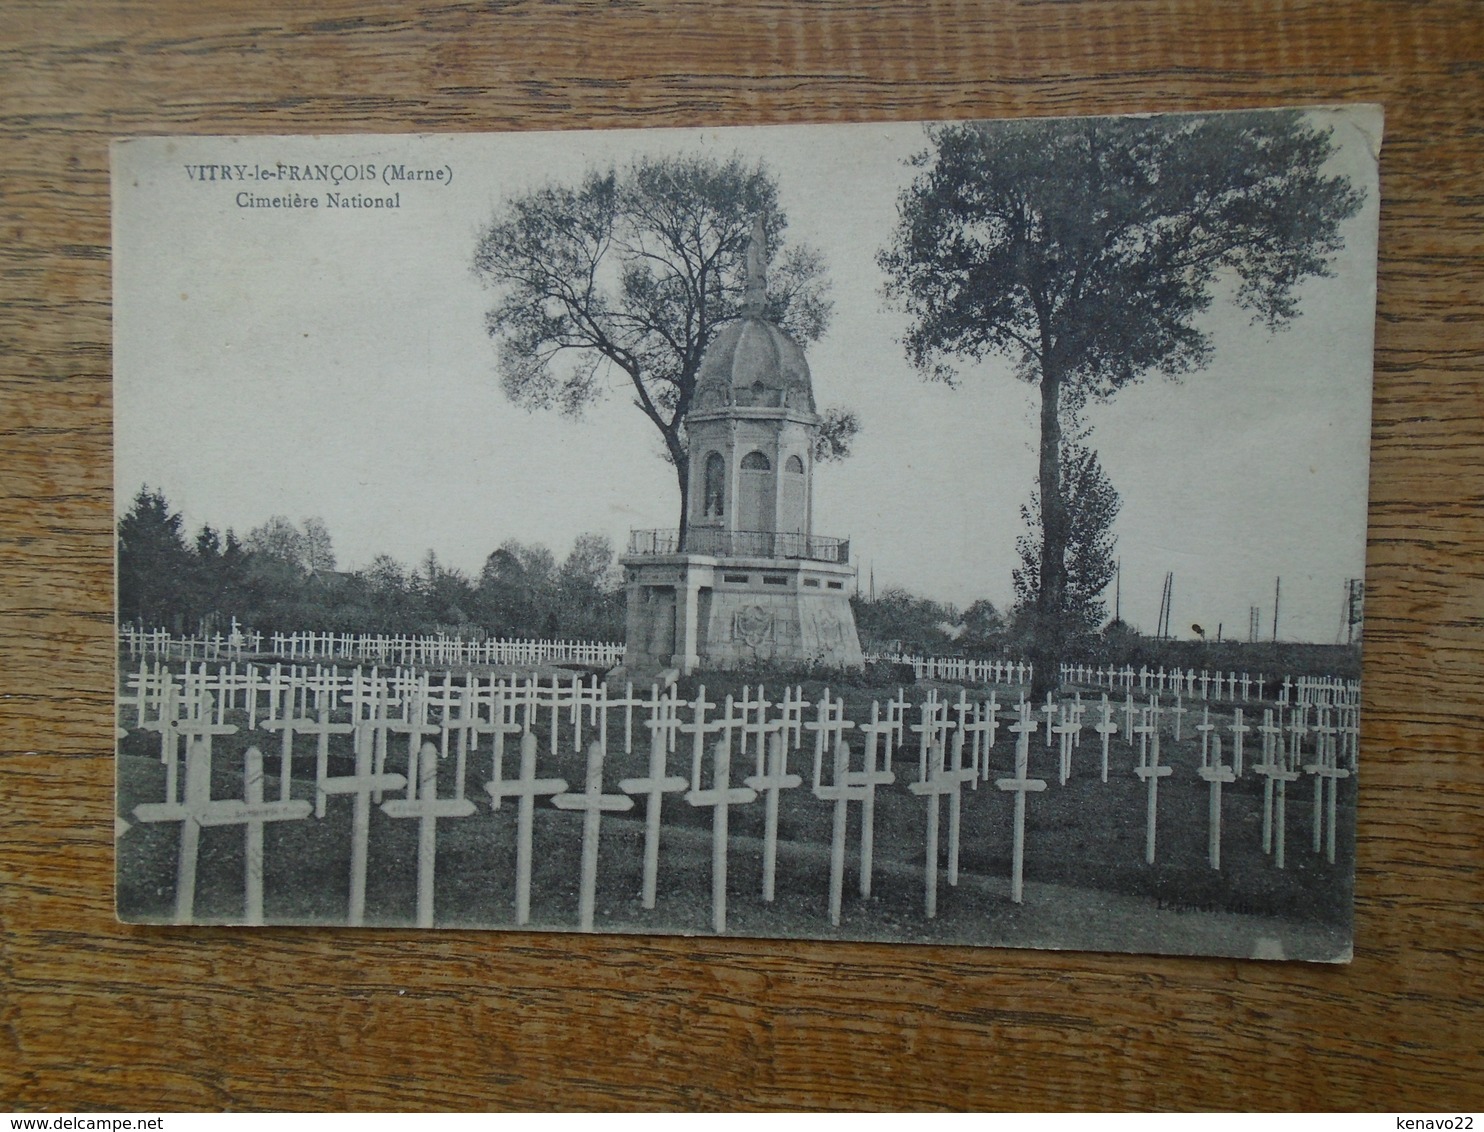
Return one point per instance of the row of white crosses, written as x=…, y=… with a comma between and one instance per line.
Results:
x=198, y=810
x=747, y=727
x=437, y=649
x=1229, y=686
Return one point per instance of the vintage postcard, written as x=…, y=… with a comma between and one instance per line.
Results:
x=938, y=532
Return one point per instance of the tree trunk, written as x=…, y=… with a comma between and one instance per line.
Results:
x=682, y=474
x=1046, y=653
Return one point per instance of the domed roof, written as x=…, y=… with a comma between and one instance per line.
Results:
x=754, y=362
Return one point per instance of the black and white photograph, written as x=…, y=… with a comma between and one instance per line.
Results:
x=926, y=533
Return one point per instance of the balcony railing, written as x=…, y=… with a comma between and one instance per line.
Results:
x=741, y=544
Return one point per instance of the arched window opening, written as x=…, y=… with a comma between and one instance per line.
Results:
x=794, y=465
x=756, y=462
x=713, y=492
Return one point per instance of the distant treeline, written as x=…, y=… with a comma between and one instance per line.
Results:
x=281, y=577
x=898, y=621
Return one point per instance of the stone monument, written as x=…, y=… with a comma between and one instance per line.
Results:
x=747, y=580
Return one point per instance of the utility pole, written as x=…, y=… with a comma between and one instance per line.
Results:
x=1277, y=593
x=1166, y=604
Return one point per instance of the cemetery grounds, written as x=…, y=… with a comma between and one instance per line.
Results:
x=1087, y=881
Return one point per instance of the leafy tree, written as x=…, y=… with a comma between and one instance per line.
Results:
x=1086, y=249
x=837, y=428
x=984, y=629
x=155, y=568
x=589, y=591
x=281, y=541
x=515, y=590
x=446, y=595
x=1090, y=505
x=898, y=618
x=387, y=592
x=319, y=550
x=220, y=577
x=627, y=276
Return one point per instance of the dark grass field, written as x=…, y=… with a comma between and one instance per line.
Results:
x=1087, y=884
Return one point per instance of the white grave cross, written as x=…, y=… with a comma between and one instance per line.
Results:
x=593, y=803
x=427, y=807
x=1106, y=728
x=527, y=788
x=1151, y=772
x=252, y=812
x=1022, y=785
x=1215, y=774
x=720, y=798
x=654, y=787
x=770, y=783
x=361, y=784
x=1238, y=730
x=1326, y=771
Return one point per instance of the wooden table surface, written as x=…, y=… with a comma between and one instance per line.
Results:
x=94, y=1015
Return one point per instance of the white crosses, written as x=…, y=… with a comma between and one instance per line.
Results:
x=872, y=775
x=980, y=734
x=593, y=803
x=1105, y=727
x=361, y=785
x=755, y=727
x=830, y=725
x=1151, y=772
x=375, y=728
x=943, y=779
x=188, y=813
x=1205, y=727
x=1238, y=729
x=664, y=717
x=416, y=727
x=1270, y=768
x=427, y=807
x=1326, y=771
x=775, y=778
x=699, y=729
x=655, y=786
x=527, y=788
x=929, y=730
x=1178, y=711
x=199, y=810
x=1129, y=711
x=841, y=793
x=721, y=797
x=321, y=729
x=1021, y=784
x=1049, y=710
x=1290, y=774
x=1215, y=774
x=848, y=786
x=252, y=812
x=1067, y=729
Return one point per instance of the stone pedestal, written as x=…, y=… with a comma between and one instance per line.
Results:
x=690, y=611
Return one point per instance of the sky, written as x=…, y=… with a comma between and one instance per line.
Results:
x=335, y=363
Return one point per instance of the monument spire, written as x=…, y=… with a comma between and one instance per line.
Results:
x=755, y=298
